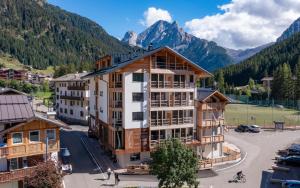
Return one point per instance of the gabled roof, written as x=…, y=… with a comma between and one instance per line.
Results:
x=70, y=77
x=138, y=57
x=9, y=91
x=36, y=117
x=205, y=93
x=15, y=108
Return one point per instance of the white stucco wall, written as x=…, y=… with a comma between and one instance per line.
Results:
x=103, y=100
x=129, y=106
x=92, y=96
x=10, y=185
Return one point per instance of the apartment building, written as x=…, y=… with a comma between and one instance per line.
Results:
x=26, y=138
x=12, y=74
x=141, y=99
x=72, y=98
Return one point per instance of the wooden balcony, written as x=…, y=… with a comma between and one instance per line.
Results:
x=156, y=143
x=212, y=139
x=116, y=84
x=212, y=123
x=213, y=106
x=116, y=104
x=169, y=65
x=168, y=84
x=168, y=103
x=173, y=121
x=82, y=88
x=72, y=97
x=22, y=150
x=16, y=175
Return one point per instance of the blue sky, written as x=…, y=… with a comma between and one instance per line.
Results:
x=237, y=24
x=119, y=16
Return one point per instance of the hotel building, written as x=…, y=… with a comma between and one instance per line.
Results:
x=141, y=99
x=72, y=98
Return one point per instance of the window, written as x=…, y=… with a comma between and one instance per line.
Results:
x=138, y=77
x=17, y=138
x=101, y=110
x=135, y=157
x=71, y=112
x=61, y=110
x=50, y=134
x=101, y=93
x=66, y=111
x=191, y=79
x=34, y=136
x=137, y=116
x=81, y=113
x=13, y=164
x=137, y=97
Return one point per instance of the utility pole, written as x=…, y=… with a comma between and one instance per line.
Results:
x=46, y=148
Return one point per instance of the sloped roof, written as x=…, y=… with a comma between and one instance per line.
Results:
x=9, y=91
x=141, y=56
x=205, y=93
x=70, y=77
x=15, y=108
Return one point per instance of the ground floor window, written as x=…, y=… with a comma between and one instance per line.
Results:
x=135, y=157
x=13, y=164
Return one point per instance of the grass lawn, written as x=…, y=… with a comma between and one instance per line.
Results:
x=42, y=95
x=236, y=114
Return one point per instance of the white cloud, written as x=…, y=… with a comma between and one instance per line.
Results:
x=246, y=23
x=152, y=15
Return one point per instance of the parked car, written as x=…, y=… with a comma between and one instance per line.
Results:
x=294, y=149
x=66, y=165
x=242, y=128
x=289, y=160
x=290, y=184
x=254, y=128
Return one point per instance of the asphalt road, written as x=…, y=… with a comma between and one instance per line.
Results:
x=260, y=149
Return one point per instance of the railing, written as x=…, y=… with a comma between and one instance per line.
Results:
x=116, y=104
x=77, y=87
x=212, y=122
x=212, y=139
x=116, y=85
x=155, y=142
x=205, y=164
x=71, y=97
x=160, y=103
x=174, y=121
x=161, y=84
x=212, y=106
x=117, y=123
x=26, y=149
x=169, y=65
x=16, y=175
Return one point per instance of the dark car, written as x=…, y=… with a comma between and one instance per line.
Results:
x=290, y=184
x=66, y=165
x=242, y=128
x=289, y=160
x=294, y=149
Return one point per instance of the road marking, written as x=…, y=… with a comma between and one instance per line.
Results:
x=218, y=170
x=92, y=156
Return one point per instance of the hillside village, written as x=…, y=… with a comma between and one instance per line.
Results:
x=162, y=107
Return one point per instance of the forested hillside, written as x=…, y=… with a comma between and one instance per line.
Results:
x=265, y=62
x=39, y=34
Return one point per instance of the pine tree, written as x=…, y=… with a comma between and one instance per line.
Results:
x=297, y=82
x=220, y=81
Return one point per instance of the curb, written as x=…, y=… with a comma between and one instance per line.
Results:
x=236, y=164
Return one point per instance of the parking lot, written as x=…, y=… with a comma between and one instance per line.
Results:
x=261, y=150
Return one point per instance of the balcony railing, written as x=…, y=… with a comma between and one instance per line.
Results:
x=116, y=85
x=116, y=104
x=168, y=103
x=212, y=139
x=167, y=84
x=213, y=122
x=155, y=142
x=16, y=175
x=71, y=97
x=169, y=65
x=174, y=121
x=27, y=149
x=77, y=87
x=117, y=123
x=212, y=106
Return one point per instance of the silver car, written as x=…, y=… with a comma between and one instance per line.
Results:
x=254, y=128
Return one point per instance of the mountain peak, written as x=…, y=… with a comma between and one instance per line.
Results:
x=163, y=33
x=292, y=29
x=130, y=38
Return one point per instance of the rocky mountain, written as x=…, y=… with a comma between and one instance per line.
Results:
x=291, y=30
x=40, y=34
x=205, y=53
x=241, y=55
